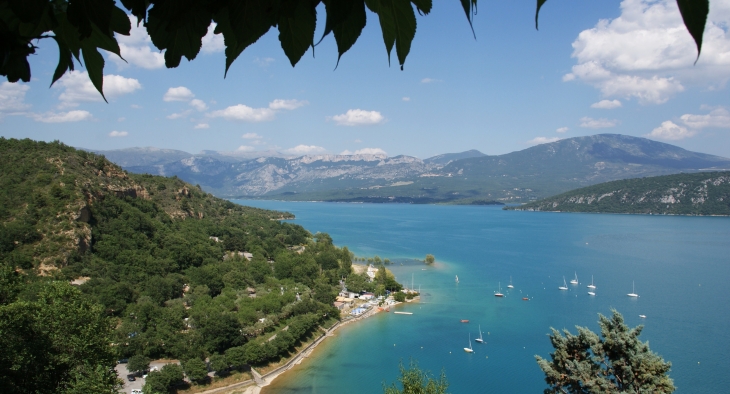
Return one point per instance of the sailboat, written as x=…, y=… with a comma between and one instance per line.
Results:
x=633, y=291
x=564, y=286
x=509, y=286
x=591, y=286
x=480, y=339
x=469, y=349
x=574, y=281
x=457, y=278
x=499, y=293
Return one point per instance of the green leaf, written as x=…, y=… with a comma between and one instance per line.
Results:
x=178, y=27
x=297, y=22
x=138, y=8
x=469, y=9
x=398, y=23
x=65, y=60
x=423, y=6
x=537, y=12
x=694, y=13
x=242, y=23
x=94, y=63
x=387, y=25
x=345, y=19
x=83, y=13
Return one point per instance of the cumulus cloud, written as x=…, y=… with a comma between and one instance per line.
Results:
x=287, y=104
x=358, y=117
x=542, y=140
x=370, y=151
x=78, y=88
x=136, y=49
x=244, y=148
x=62, y=117
x=647, y=54
x=202, y=126
x=717, y=118
x=12, y=98
x=213, y=42
x=305, y=150
x=429, y=80
x=178, y=115
x=606, y=104
x=251, y=136
x=671, y=132
x=118, y=134
x=562, y=130
x=180, y=93
x=601, y=123
x=406, y=99
x=244, y=113
x=198, y=104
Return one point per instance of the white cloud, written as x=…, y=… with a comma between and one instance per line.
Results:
x=78, y=87
x=429, y=80
x=287, y=104
x=213, y=42
x=370, y=151
x=358, y=141
x=406, y=99
x=263, y=62
x=606, y=104
x=562, y=130
x=601, y=123
x=180, y=93
x=251, y=136
x=305, y=150
x=178, y=115
x=244, y=113
x=136, y=106
x=358, y=117
x=671, y=131
x=202, y=126
x=198, y=104
x=62, y=117
x=118, y=134
x=244, y=148
x=136, y=49
x=542, y=140
x=717, y=118
x=12, y=98
x=646, y=53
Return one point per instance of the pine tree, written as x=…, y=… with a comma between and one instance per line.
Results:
x=617, y=362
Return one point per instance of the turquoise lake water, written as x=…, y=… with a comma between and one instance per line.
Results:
x=680, y=266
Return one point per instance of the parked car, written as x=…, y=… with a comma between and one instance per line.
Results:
x=123, y=361
x=136, y=391
x=131, y=378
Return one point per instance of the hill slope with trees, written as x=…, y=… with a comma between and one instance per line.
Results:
x=161, y=269
x=680, y=194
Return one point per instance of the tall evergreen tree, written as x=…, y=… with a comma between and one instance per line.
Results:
x=617, y=362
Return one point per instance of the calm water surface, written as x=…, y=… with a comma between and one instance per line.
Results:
x=680, y=266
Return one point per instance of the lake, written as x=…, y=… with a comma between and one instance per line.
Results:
x=679, y=265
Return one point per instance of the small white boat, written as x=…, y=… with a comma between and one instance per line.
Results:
x=591, y=286
x=642, y=316
x=633, y=291
x=457, y=278
x=591, y=293
x=499, y=293
x=480, y=339
x=564, y=286
x=403, y=313
x=574, y=281
x=509, y=286
x=469, y=349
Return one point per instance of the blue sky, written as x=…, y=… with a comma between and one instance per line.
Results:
x=593, y=67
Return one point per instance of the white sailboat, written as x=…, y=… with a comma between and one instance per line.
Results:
x=469, y=349
x=591, y=293
x=574, y=281
x=480, y=339
x=457, y=278
x=499, y=293
x=564, y=286
x=633, y=291
x=509, y=286
x=591, y=286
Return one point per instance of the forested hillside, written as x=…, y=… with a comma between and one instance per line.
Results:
x=681, y=194
x=159, y=270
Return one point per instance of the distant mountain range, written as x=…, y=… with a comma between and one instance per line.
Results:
x=466, y=177
x=679, y=194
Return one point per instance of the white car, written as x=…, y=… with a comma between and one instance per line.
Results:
x=136, y=391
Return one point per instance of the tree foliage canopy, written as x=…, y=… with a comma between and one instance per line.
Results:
x=82, y=27
x=617, y=362
x=416, y=381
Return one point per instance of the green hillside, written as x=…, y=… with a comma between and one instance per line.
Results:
x=146, y=254
x=680, y=194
